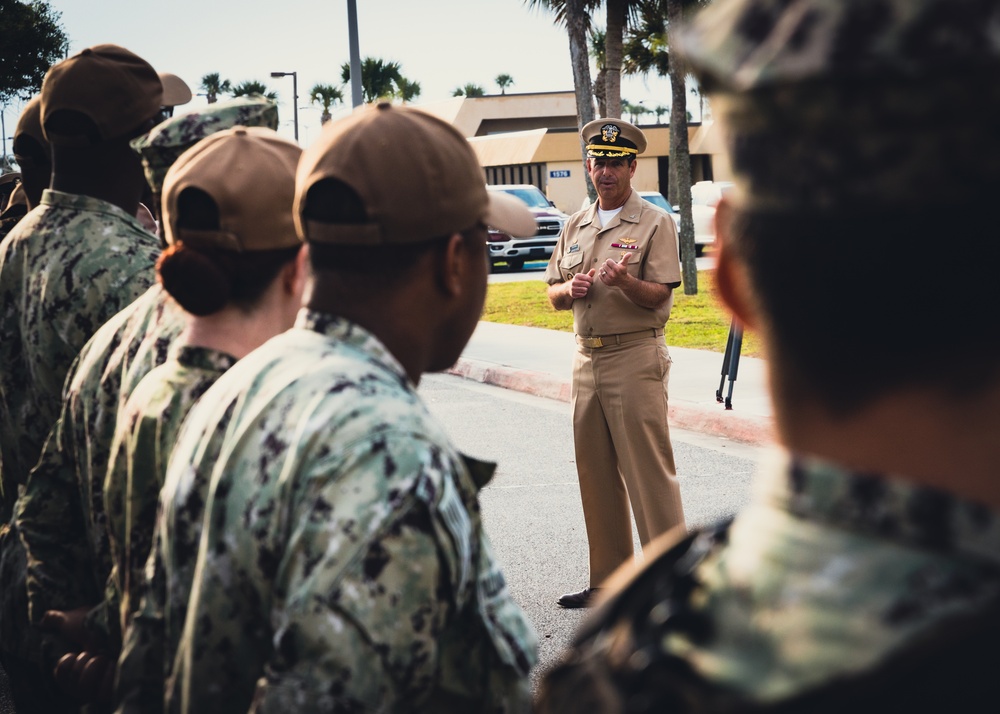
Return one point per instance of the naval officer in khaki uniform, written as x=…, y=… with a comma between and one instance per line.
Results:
x=616, y=267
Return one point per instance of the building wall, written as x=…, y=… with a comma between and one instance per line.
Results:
x=532, y=138
x=566, y=184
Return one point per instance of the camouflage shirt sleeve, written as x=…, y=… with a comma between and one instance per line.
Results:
x=147, y=429
x=61, y=513
x=143, y=663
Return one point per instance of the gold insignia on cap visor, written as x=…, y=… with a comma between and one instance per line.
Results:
x=609, y=134
x=612, y=138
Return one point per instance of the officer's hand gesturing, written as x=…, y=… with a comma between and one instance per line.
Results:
x=613, y=273
x=580, y=285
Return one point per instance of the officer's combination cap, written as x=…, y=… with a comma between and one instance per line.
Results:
x=249, y=173
x=417, y=177
x=831, y=105
x=161, y=147
x=613, y=139
x=116, y=89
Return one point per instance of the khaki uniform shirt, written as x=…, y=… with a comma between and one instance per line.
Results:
x=824, y=578
x=61, y=514
x=65, y=269
x=148, y=425
x=640, y=230
x=344, y=565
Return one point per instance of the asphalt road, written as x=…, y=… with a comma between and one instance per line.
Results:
x=532, y=507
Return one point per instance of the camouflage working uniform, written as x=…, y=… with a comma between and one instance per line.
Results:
x=65, y=269
x=345, y=566
x=61, y=515
x=825, y=578
x=148, y=425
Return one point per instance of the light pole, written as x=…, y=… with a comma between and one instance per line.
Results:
x=352, y=41
x=3, y=133
x=295, y=96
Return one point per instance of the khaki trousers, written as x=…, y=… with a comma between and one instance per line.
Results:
x=623, y=450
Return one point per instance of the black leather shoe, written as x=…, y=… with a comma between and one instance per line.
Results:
x=584, y=598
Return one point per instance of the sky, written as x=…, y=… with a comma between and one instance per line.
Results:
x=442, y=44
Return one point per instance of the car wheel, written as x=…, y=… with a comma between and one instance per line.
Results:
x=515, y=266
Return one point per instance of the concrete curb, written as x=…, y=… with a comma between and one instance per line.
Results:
x=745, y=428
x=539, y=384
x=714, y=419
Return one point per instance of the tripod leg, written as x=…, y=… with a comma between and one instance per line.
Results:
x=726, y=359
x=734, y=366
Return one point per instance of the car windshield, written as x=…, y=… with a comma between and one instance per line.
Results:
x=531, y=196
x=657, y=199
x=708, y=193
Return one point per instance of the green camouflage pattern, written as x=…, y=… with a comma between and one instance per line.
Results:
x=344, y=565
x=824, y=577
x=147, y=428
x=153, y=634
x=65, y=270
x=61, y=513
x=812, y=91
x=164, y=144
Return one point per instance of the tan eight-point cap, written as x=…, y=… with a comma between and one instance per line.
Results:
x=249, y=172
x=113, y=87
x=416, y=175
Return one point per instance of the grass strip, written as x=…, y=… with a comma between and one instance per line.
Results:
x=696, y=321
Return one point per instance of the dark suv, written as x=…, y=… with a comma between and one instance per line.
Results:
x=515, y=251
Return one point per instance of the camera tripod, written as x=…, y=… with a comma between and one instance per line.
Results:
x=730, y=363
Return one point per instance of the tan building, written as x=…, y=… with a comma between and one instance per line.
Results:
x=532, y=138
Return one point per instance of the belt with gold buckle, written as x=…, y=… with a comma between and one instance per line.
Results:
x=608, y=340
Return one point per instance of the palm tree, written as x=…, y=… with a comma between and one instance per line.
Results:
x=469, y=90
x=648, y=49
x=213, y=86
x=659, y=110
x=406, y=90
x=633, y=110
x=597, y=51
x=325, y=95
x=503, y=81
x=575, y=16
x=252, y=86
x=379, y=79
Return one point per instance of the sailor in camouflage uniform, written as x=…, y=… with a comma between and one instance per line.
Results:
x=238, y=288
x=865, y=574
x=67, y=267
x=61, y=513
x=344, y=565
x=33, y=155
x=80, y=258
